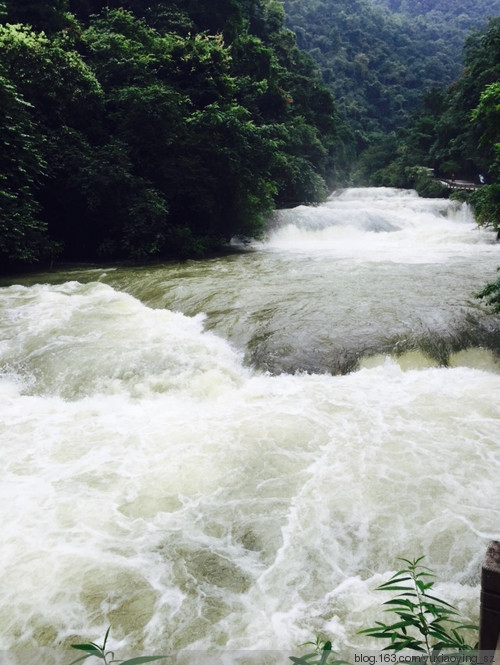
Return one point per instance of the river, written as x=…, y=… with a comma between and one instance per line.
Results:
x=232, y=454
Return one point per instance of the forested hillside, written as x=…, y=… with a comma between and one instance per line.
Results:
x=133, y=130
x=418, y=82
x=456, y=132
x=379, y=56
x=464, y=13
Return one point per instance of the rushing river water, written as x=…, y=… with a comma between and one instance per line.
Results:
x=231, y=454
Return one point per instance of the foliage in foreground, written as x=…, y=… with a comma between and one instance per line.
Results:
x=322, y=655
x=491, y=293
x=424, y=622
x=107, y=656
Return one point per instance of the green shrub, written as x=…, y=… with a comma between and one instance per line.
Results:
x=491, y=293
x=424, y=622
x=486, y=204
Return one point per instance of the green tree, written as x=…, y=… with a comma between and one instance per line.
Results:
x=454, y=131
x=485, y=117
x=23, y=236
x=158, y=138
x=170, y=99
x=487, y=114
x=47, y=15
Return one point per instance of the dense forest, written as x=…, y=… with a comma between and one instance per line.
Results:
x=454, y=134
x=379, y=56
x=417, y=83
x=133, y=130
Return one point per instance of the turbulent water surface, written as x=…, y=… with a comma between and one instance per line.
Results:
x=231, y=454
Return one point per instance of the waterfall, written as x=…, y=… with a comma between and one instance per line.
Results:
x=232, y=454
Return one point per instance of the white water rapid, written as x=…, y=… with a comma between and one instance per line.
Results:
x=232, y=454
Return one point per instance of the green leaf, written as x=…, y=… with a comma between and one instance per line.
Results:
x=380, y=627
x=302, y=660
x=418, y=610
x=106, y=638
x=327, y=648
x=406, y=644
x=407, y=604
x=415, y=562
x=438, y=611
x=142, y=659
x=440, y=601
x=395, y=580
x=403, y=624
x=91, y=647
x=396, y=588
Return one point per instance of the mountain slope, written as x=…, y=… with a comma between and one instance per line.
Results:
x=378, y=56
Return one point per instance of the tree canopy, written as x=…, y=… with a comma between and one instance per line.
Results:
x=141, y=131
x=455, y=131
x=137, y=130
x=379, y=56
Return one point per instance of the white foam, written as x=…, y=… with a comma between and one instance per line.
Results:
x=152, y=482
x=378, y=225
x=74, y=339
x=250, y=515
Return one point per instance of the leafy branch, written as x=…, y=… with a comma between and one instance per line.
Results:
x=322, y=655
x=108, y=657
x=425, y=623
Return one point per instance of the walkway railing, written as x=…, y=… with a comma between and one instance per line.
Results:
x=459, y=184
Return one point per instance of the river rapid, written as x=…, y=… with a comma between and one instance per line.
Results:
x=231, y=454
